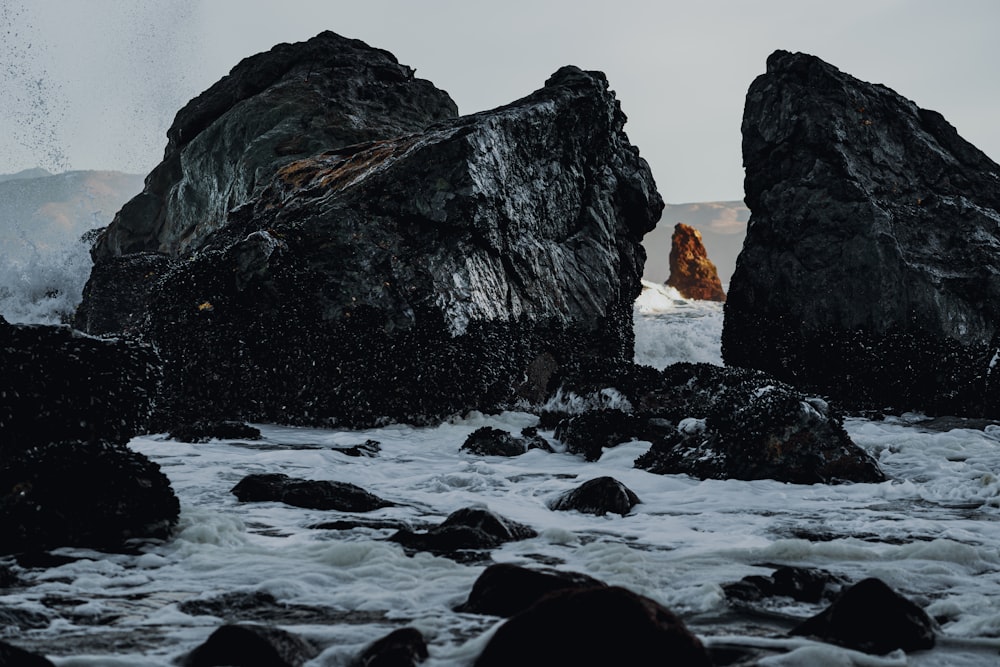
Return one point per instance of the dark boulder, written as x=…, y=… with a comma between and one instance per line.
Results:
x=57, y=384
x=591, y=432
x=415, y=275
x=250, y=645
x=598, y=496
x=504, y=589
x=740, y=424
x=872, y=617
x=271, y=109
x=595, y=626
x=203, y=431
x=803, y=584
x=465, y=530
x=691, y=271
x=488, y=441
x=308, y=494
x=84, y=494
x=405, y=647
x=12, y=656
x=870, y=267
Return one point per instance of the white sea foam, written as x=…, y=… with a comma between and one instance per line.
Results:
x=931, y=531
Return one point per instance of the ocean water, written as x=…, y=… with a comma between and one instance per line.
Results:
x=931, y=532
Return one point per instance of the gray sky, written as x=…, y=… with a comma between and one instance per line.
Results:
x=94, y=84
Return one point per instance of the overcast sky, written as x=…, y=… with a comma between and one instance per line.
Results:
x=94, y=84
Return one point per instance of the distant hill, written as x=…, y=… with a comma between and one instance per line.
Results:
x=45, y=211
x=722, y=225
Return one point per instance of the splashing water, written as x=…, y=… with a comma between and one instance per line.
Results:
x=44, y=286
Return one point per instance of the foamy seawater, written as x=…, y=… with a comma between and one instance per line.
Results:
x=931, y=532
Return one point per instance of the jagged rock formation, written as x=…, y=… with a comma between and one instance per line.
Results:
x=729, y=423
x=871, y=267
x=59, y=385
x=405, y=278
x=68, y=405
x=714, y=422
x=691, y=271
x=273, y=108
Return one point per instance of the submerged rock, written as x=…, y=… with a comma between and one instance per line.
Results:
x=590, y=433
x=598, y=496
x=436, y=266
x=692, y=273
x=308, y=494
x=869, y=269
x=82, y=494
x=595, y=626
x=804, y=584
x=504, y=589
x=405, y=647
x=203, y=431
x=271, y=109
x=250, y=645
x=465, y=530
x=872, y=617
x=488, y=441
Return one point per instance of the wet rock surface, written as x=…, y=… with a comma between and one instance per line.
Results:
x=251, y=645
x=404, y=647
x=869, y=270
x=12, y=656
x=428, y=270
x=872, y=617
x=596, y=626
x=89, y=494
x=692, y=273
x=58, y=384
x=466, y=530
x=308, y=494
x=203, y=431
x=598, y=496
x=272, y=108
x=504, y=589
x=487, y=441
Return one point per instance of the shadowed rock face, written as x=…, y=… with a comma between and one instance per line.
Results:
x=691, y=271
x=871, y=267
x=272, y=108
x=404, y=278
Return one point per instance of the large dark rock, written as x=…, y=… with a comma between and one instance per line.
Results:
x=871, y=266
x=251, y=645
x=309, y=494
x=595, y=626
x=410, y=277
x=691, y=271
x=57, y=384
x=504, y=589
x=272, y=108
x=84, y=494
x=872, y=617
x=598, y=496
x=741, y=424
